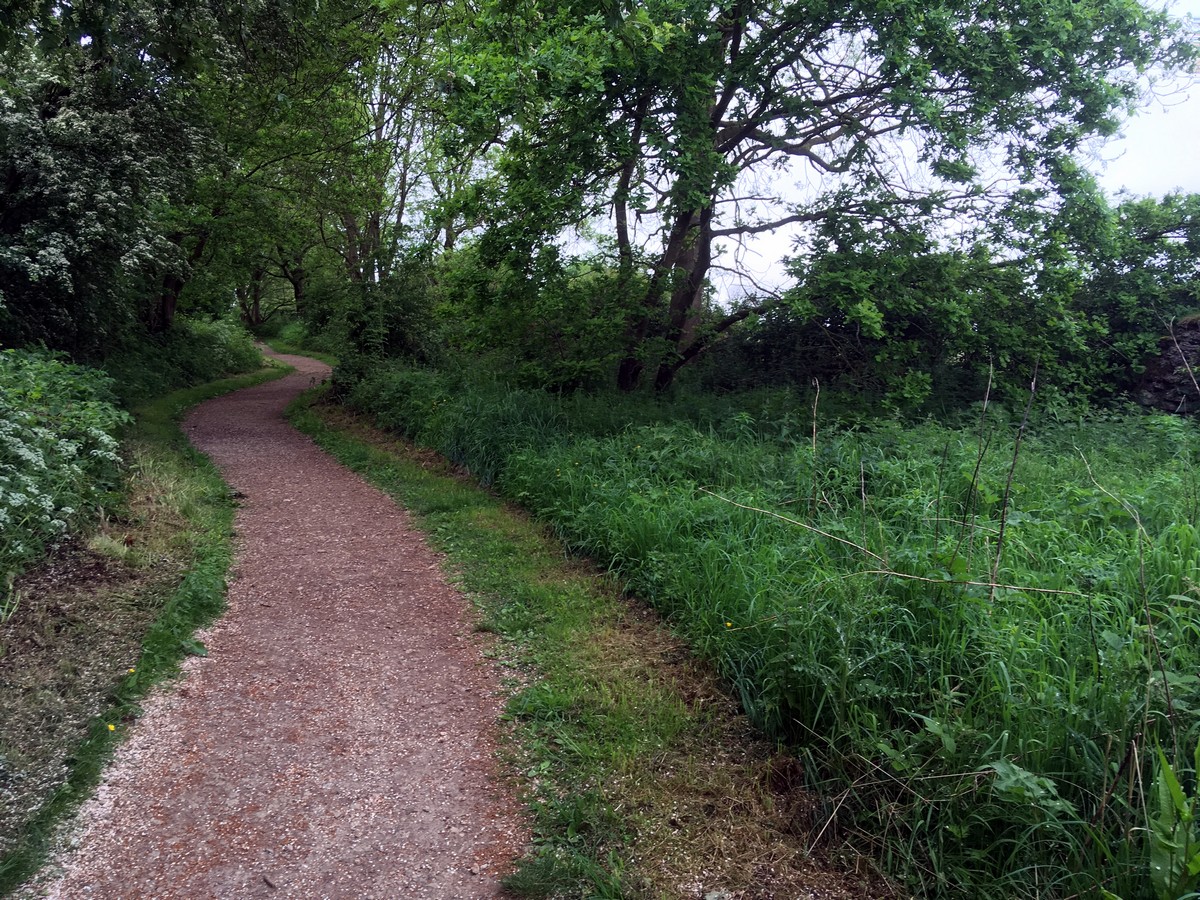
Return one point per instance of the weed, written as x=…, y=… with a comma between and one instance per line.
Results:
x=980, y=715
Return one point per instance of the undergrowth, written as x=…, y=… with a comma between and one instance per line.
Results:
x=975, y=636
x=191, y=352
x=58, y=454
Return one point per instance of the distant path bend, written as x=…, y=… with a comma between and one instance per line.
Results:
x=337, y=742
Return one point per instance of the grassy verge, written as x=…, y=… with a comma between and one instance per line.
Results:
x=973, y=633
x=105, y=620
x=642, y=778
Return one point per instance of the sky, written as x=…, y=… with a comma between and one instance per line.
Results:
x=1156, y=151
x=1159, y=147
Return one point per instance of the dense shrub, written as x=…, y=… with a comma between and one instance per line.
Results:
x=191, y=352
x=983, y=710
x=59, y=422
x=58, y=452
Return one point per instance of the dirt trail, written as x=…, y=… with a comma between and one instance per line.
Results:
x=337, y=741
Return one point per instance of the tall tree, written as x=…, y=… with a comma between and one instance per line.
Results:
x=96, y=139
x=672, y=120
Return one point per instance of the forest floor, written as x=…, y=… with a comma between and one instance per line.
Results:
x=340, y=736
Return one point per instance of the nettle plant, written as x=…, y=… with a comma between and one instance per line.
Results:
x=58, y=453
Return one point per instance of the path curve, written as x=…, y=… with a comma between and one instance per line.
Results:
x=337, y=742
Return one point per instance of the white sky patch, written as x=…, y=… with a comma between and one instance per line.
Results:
x=1158, y=149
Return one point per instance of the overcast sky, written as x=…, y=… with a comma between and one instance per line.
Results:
x=1159, y=150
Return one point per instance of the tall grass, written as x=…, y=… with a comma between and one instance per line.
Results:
x=993, y=735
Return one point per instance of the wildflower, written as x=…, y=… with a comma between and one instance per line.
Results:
x=132, y=669
x=728, y=624
x=112, y=727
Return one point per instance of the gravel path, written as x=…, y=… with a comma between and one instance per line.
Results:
x=338, y=740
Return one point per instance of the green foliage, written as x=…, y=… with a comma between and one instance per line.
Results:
x=1144, y=275
x=59, y=424
x=663, y=116
x=58, y=452
x=1174, y=839
x=156, y=157
x=86, y=160
x=192, y=351
x=994, y=729
x=893, y=313
x=542, y=321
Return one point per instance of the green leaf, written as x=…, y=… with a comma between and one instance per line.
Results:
x=193, y=647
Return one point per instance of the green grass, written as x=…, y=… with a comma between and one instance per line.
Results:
x=616, y=749
x=279, y=345
x=181, y=486
x=987, y=708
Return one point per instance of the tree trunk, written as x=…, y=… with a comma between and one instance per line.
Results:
x=644, y=326
x=250, y=299
x=687, y=298
x=162, y=314
x=293, y=270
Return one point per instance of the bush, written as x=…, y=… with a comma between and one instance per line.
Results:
x=58, y=452
x=190, y=353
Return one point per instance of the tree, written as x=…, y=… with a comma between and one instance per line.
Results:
x=670, y=120
x=1142, y=276
x=160, y=156
x=95, y=141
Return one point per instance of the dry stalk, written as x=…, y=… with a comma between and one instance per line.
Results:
x=1182, y=356
x=888, y=572
x=790, y=521
x=968, y=530
x=1008, y=485
x=992, y=585
x=812, y=512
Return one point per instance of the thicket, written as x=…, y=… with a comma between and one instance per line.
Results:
x=978, y=635
x=58, y=452
x=191, y=352
x=61, y=423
